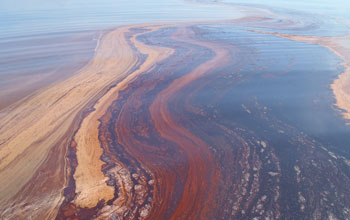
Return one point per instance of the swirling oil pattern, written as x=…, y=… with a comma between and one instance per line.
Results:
x=214, y=131
x=244, y=118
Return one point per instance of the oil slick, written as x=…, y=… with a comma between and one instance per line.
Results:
x=184, y=121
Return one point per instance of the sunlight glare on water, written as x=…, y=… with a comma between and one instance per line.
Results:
x=35, y=16
x=337, y=8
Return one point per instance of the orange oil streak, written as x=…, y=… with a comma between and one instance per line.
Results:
x=201, y=163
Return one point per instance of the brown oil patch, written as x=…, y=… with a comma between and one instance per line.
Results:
x=201, y=164
x=36, y=128
x=90, y=181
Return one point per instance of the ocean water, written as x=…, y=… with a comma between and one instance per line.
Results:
x=39, y=38
x=335, y=8
x=22, y=17
x=279, y=92
x=312, y=18
x=45, y=41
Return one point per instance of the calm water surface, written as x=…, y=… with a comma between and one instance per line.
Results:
x=44, y=41
x=279, y=93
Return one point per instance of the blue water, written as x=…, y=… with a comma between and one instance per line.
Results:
x=313, y=18
x=38, y=37
x=336, y=8
x=34, y=17
x=44, y=41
